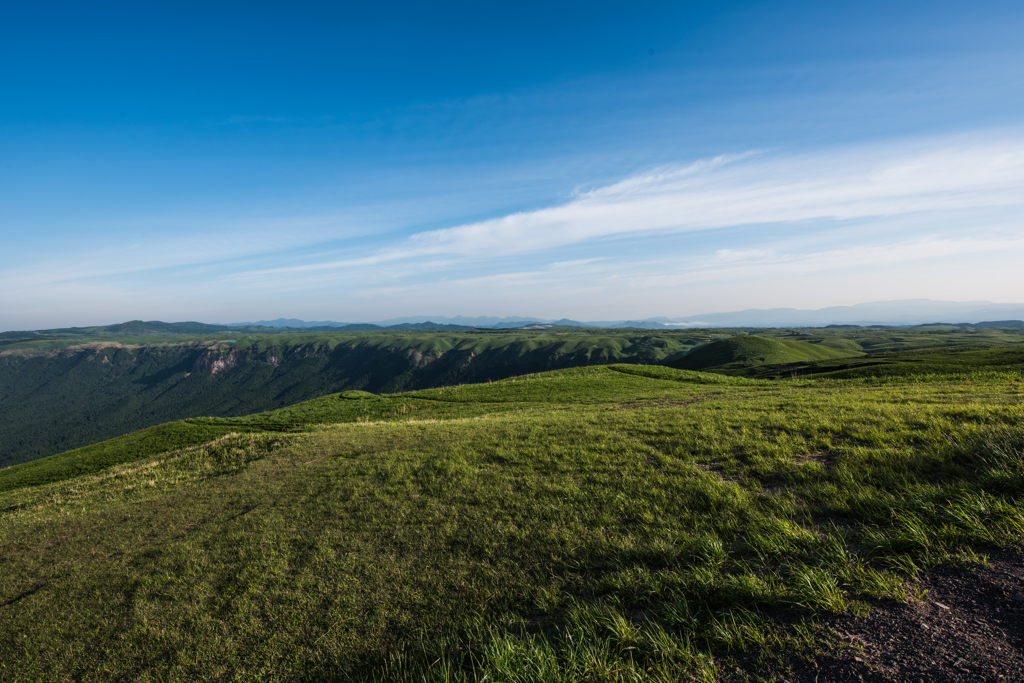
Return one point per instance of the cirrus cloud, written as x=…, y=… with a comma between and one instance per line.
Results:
x=880, y=181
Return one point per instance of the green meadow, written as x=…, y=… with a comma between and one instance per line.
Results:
x=60, y=390
x=605, y=523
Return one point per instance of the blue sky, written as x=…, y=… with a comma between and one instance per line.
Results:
x=236, y=161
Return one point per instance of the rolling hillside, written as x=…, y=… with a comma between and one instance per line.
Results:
x=55, y=396
x=904, y=364
x=741, y=354
x=608, y=523
x=64, y=392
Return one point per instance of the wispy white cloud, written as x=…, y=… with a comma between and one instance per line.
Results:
x=724, y=192
x=756, y=188
x=193, y=243
x=727, y=265
x=724, y=265
x=610, y=288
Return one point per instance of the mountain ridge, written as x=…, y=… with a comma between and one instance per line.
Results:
x=895, y=313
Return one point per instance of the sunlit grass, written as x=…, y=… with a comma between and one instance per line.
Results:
x=626, y=524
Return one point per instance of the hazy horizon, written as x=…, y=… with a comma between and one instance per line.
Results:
x=895, y=312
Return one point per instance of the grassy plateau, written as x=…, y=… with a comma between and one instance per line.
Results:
x=607, y=523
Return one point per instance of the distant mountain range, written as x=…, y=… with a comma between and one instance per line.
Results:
x=887, y=313
x=902, y=312
x=459, y=322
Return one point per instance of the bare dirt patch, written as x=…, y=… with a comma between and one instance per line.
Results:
x=969, y=627
x=823, y=457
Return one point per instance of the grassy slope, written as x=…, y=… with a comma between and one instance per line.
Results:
x=904, y=364
x=622, y=523
x=739, y=354
x=348, y=406
x=54, y=399
x=66, y=392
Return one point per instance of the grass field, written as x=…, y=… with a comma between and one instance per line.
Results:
x=611, y=523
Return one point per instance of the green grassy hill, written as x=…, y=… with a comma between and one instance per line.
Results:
x=607, y=523
x=58, y=395
x=66, y=392
x=740, y=354
x=961, y=362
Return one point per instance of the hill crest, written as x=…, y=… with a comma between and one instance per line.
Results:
x=743, y=352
